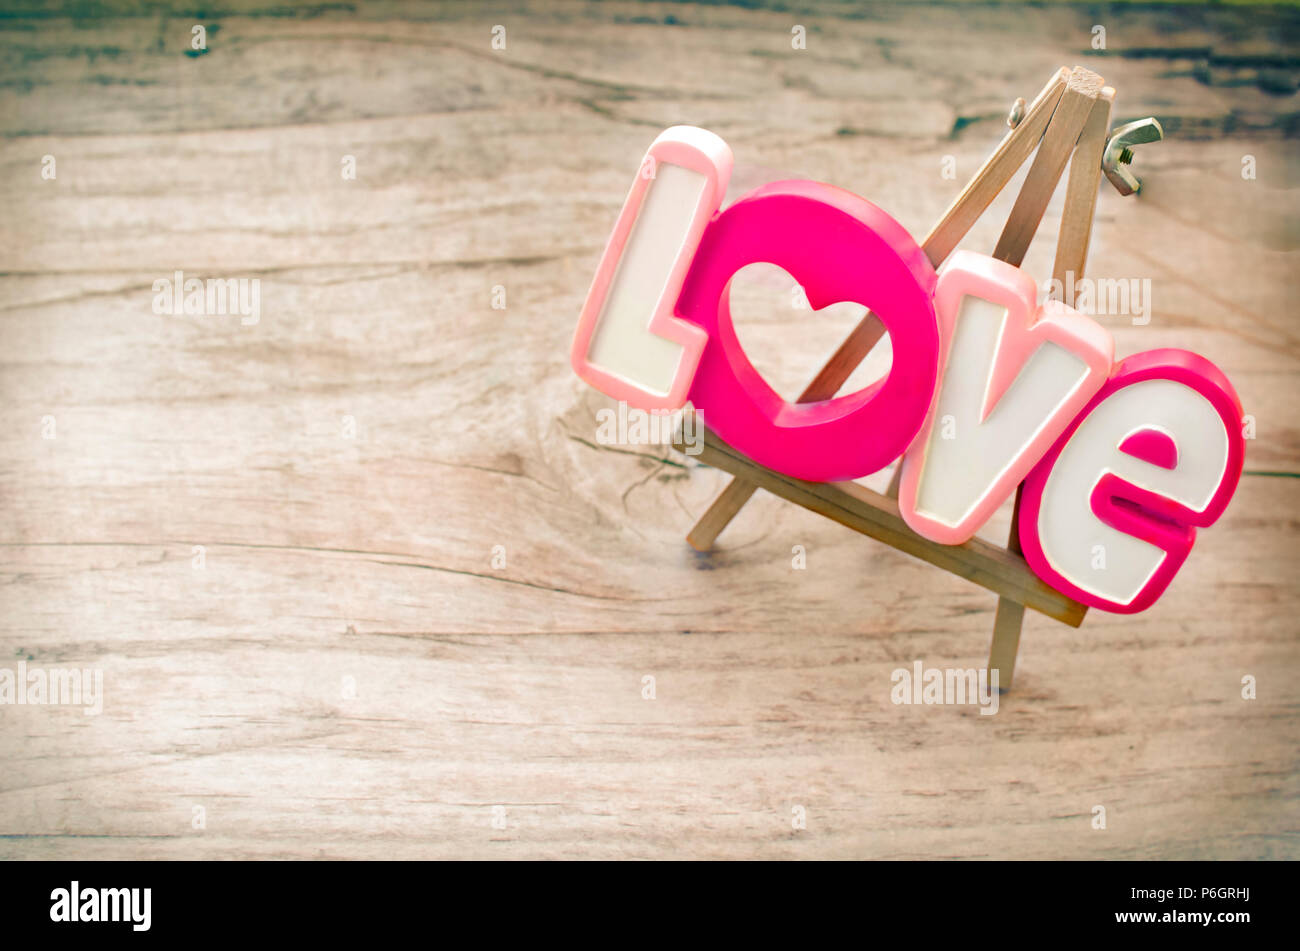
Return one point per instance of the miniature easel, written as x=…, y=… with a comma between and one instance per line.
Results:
x=1071, y=116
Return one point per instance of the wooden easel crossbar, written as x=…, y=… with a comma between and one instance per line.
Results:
x=1069, y=117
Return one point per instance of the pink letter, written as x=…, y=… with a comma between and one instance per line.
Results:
x=1110, y=513
x=840, y=248
x=1011, y=378
x=628, y=343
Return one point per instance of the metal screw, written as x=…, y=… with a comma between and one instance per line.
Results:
x=1017, y=113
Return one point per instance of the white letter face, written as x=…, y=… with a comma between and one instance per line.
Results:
x=622, y=345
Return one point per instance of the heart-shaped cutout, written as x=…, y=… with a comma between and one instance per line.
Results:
x=787, y=341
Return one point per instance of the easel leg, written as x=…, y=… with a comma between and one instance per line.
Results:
x=1010, y=617
x=895, y=481
x=1006, y=641
x=719, y=515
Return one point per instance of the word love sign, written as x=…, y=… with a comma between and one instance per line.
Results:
x=1120, y=462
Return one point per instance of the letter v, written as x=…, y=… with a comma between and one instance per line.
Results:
x=1011, y=378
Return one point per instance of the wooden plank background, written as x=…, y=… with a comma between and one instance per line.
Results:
x=349, y=676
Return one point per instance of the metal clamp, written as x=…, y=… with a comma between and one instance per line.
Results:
x=1119, y=152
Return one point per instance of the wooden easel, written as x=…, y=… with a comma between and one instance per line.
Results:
x=1071, y=116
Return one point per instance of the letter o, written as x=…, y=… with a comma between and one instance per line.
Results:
x=840, y=247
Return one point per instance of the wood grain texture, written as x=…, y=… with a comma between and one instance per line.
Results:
x=370, y=558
